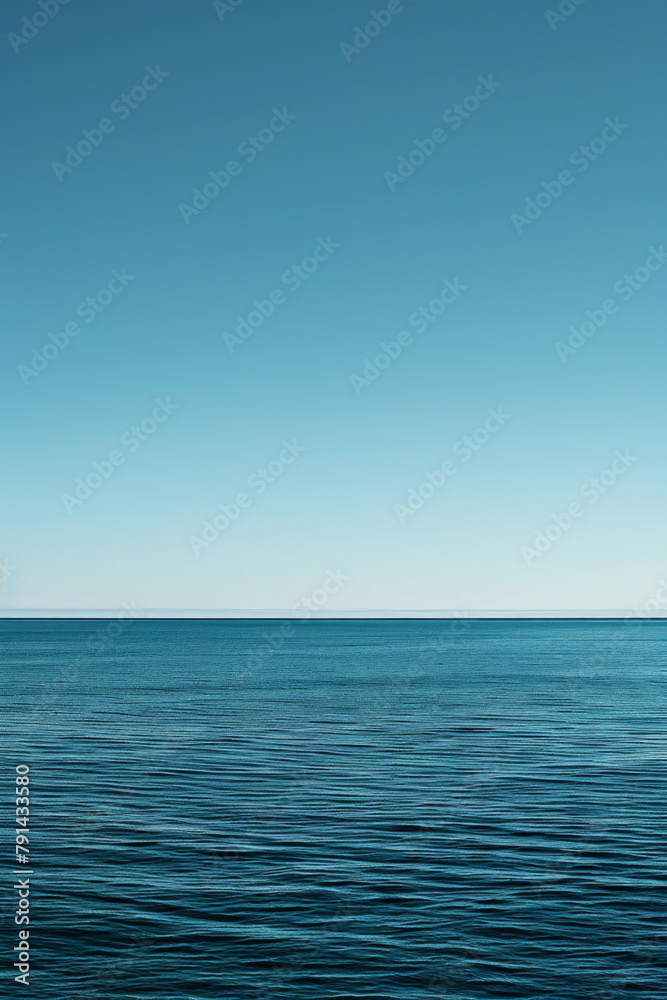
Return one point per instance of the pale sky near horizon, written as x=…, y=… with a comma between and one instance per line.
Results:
x=309, y=300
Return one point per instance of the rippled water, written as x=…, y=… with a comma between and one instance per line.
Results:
x=341, y=809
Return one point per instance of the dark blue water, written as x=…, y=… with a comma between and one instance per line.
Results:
x=339, y=809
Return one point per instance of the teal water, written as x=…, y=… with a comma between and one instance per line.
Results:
x=398, y=809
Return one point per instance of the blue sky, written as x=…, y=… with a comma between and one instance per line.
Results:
x=350, y=189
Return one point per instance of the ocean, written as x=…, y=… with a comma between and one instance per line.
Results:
x=338, y=809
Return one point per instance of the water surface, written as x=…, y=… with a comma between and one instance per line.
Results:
x=397, y=809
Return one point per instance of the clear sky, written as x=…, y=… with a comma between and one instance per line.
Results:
x=477, y=186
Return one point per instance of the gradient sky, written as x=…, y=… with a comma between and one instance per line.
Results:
x=222, y=75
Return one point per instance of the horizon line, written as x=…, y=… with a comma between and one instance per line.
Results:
x=244, y=614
